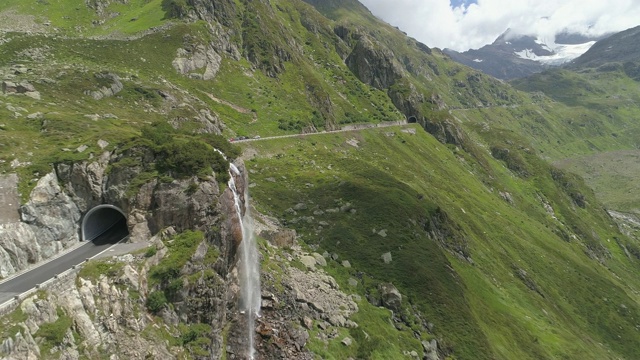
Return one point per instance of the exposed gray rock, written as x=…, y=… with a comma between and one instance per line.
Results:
x=307, y=322
x=346, y=341
x=284, y=238
x=321, y=293
x=107, y=91
x=430, y=349
x=386, y=257
x=9, y=87
x=103, y=144
x=308, y=261
x=84, y=181
x=374, y=64
x=196, y=57
x=300, y=206
x=35, y=95
x=36, y=115
x=320, y=260
x=25, y=87
x=48, y=225
x=390, y=296
x=346, y=263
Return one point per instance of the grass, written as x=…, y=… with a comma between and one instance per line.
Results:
x=53, y=333
x=94, y=269
x=612, y=176
x=400, y=182
x=444, y=208
x=10, y=323
x=133, y=17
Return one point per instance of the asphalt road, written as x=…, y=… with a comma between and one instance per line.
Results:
x=46, y=271
x=373, y=126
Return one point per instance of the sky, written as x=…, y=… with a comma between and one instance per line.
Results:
x=471, y=24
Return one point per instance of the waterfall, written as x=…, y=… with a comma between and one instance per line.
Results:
x=249, y=264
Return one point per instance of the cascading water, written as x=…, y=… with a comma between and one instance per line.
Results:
x=249, y=267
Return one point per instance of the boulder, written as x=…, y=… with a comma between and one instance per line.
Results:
x=386, y=257
x=25, y=87
x=284, y=238
x=390, y=296
x=308, y=261
x=9, y=87
x=320, y=261
x=430, y=349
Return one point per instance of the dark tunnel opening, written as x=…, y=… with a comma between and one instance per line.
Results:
x=104, y=224
x=412, y=120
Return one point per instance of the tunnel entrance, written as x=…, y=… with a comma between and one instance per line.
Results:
x=412, y=120
x=104, y=224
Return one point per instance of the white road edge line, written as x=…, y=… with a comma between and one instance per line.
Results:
x=54, y=258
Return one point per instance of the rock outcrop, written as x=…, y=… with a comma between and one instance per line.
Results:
x=390, y=297
x=49, y=225
x=50, y=220
x=374, y=64
x=196, y=57
x=111, y=85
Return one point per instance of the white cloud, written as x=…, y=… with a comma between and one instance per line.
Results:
x=436, y=23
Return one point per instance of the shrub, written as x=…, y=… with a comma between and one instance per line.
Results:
x=159, y=133
x=152, y=250
x=54, y=332
x=181, y=248
x=156, y=301
x=184, y=158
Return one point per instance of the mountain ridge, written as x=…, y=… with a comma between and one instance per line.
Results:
x=513, y=56
x=453, y=237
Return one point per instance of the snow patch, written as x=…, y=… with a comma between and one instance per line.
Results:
x=478, y=60
x=562, y=53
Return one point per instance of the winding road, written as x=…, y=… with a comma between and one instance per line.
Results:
x=23, y=282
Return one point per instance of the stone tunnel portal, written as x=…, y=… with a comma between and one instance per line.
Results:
x=104, y=224
x=412, y=120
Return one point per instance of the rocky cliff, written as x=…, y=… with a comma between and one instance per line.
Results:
x=50, y=220
x=154, y=304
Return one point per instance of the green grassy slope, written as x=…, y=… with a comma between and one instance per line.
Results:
x=601, y=104
x=509, y=280
x=507, y=256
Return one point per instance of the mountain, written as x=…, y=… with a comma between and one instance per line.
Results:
x=602, y=82
x=619, y=49
x=515, y=56
x=404, y=205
